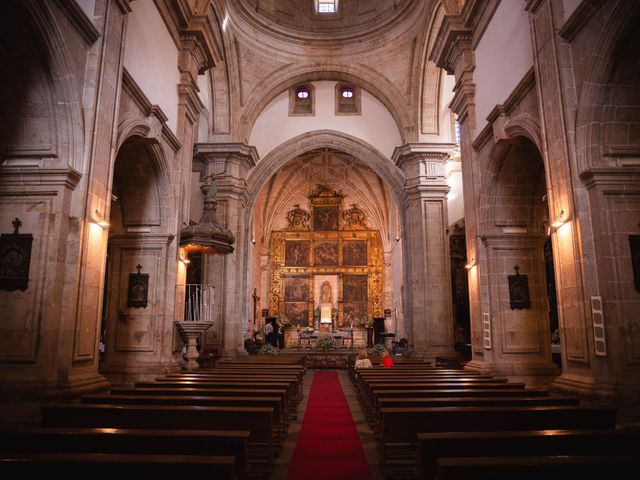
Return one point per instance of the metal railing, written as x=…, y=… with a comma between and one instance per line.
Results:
x=198, y=302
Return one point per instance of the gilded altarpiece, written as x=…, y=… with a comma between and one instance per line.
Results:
x=326, y=240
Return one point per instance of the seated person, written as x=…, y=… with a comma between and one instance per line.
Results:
x=387, y=361
x=362, y=361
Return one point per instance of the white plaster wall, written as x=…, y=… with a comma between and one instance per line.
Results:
x=87, y=6
x=503, y=56
x=151, y=58
x=570, y=6
x=375, y=126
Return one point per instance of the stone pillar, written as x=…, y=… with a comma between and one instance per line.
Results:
x=427, y=281
x=520, y=341
x=229, y=164
x=567, y=199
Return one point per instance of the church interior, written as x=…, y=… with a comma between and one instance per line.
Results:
x=454, y=182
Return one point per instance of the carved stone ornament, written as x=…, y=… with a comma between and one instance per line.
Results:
x=15, y=258
x=519, y=291
x=354, y=218
x=138, y=289
x=298, y=218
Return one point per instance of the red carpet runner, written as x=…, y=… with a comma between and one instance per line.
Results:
x=328, y=447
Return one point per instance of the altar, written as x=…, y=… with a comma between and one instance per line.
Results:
x=341, y=339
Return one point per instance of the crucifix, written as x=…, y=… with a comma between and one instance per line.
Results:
x=255, y=306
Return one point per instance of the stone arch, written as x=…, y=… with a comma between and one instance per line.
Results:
x=325, y=139
x=145, y=176
x=58, y=90
x=377, y=85
x=622, y=23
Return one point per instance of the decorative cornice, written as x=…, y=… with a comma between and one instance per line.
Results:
x=435, y=151
x=616, y=179
x=247, y=153
x=451, y=39
x=80, y=21
x=533, y=5
x=123, y=5
x=15, y=176
x=523, y=87
x=483, y=137
x=580, y=17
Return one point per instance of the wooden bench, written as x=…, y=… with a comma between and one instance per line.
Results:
x=279, y=412
x=39, y=439
x=399, y=427
x=110, y=465
x=432, y=446
x=538, y=467
x=258, y=421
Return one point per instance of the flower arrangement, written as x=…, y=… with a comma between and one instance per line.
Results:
x=366, y=322
x=378, y=348
x=327, y=343
x=267, y=349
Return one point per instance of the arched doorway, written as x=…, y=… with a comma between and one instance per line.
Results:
x=137, y=332
x=516, y=228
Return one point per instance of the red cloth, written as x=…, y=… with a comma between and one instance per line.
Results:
x=387, y=362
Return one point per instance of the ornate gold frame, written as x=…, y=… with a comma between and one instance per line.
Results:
x=373, y=269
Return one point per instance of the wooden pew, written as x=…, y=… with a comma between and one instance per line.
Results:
x=399, y=427
x=432, y=446
x=112, y=465
x=39, y=439
x=258, y=421
x=279, y=412
x=538, y=467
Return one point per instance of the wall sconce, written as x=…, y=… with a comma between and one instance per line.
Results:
x=99, y=219
x=253, y=240
x=397, y=237
x=561, y=220
x=471, y=264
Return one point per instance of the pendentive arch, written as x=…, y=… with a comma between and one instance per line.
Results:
x=377, y=85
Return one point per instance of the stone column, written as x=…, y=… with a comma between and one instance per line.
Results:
x=229, y=164
x=520, y=341
x=427, y=280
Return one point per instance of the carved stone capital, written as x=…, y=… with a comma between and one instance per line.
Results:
x=423, y=163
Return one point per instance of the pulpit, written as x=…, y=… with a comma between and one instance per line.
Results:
x=190, y=331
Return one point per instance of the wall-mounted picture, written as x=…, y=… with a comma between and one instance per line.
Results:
x=325, y=218
x=296, y=288
x=352, y=313
x=297, y=313
x=296, y=253
x=326, y=253
x=354, y=288
x=354, y=252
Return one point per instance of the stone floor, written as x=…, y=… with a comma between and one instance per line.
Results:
x=366, y=435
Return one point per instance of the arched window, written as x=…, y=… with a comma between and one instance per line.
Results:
x=301, y=100
x=347, y=99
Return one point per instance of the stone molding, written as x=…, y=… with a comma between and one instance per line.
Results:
x=19, y=176
x=580, y=18
x=613, y=180
x=152, y=112
x=80, y=21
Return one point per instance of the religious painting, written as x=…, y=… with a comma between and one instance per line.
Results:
x=297, y=313
x=138, y=290
x=296, y=288
x=326, y=253
x=325, y=218
x=519, y=291
x=354, y=252
x=634, y=243
x=15, y=259
x=325, y=288
x=353, y=313
x=355, y=288
x=296, y=253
